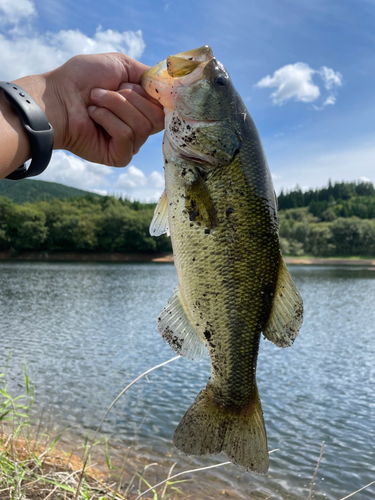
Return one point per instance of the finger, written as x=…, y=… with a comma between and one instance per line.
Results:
x=134, y=69
x=144, y=118
x=128, y=114
x=134, y=88
x=139, y=90
x=120, y=146
x=150, y=108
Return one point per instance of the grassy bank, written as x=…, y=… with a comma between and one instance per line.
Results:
x=36, y=465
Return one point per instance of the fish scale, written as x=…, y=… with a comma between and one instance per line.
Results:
x=220, y=210
x=234, y=318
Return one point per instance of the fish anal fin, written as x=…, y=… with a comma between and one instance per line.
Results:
x=208, y=428
x=199, y=204
x=159, y=224
x=287, y=310
x=177, y=330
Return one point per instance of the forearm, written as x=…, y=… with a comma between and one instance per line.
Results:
x=107, y=128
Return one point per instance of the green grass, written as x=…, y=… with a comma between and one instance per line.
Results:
x=33, y=466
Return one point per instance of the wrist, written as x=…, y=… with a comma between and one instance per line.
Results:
x=15, y=144
x=43, y=90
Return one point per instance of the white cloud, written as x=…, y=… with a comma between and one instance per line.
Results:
x=295, y=81
x=73, y=171
x=132, y=178
x=24, y=51
x=330, y=100
x=12, y=12
x=331, y=78
x=134, y=184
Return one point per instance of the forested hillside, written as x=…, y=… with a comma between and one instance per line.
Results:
x=31, y=190
x=86, y=224
x=342, y=199
x=338, y=220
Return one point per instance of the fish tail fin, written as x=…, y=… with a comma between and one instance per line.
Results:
x=208, y=428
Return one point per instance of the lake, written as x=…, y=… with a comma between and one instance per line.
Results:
x=85, y=330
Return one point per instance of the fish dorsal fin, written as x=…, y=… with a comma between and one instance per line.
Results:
x=199, y=204
x=287, y=311
x=159, y=224
x=176, y=328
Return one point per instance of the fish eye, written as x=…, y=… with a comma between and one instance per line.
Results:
x=220, y=80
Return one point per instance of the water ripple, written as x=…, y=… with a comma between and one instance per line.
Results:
x=85, y=330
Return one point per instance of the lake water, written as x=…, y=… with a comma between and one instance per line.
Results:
x=85, y=330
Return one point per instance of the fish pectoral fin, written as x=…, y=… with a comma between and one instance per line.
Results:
x=287, y=311
x=177, y=329
x=199, y=204
x=159, y=224
x=207, y=428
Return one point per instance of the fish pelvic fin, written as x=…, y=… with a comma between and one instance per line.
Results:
x=176, y=328
x=287, y=311
x=159, y=224
x=199, y=204
x=208, y=428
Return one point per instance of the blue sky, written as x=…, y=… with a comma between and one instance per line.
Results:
x=305, y=69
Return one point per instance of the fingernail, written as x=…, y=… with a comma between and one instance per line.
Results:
x=97, y=93
x=90, y=109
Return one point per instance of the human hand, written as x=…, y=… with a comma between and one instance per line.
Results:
x=96, y=107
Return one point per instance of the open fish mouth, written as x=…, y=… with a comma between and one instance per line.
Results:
x=181, y=69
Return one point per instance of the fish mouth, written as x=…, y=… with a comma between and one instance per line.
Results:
x=179, y=70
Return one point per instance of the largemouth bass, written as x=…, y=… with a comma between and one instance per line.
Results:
x=220, y=210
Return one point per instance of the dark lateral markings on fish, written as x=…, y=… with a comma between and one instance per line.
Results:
x=220, y=209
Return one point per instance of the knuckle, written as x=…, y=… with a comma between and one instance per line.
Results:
x=127, y=134
x=145, y=128
x=124, y=160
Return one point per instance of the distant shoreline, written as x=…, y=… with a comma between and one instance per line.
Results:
x=162, y=257
x=326, y=261
x=87, y=257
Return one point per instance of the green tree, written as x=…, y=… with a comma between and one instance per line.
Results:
x=7, y=210
x=320, y=242
x=27, y=229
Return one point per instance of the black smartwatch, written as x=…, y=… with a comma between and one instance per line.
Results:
x=38, y=128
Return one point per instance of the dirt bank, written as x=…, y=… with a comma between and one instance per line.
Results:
x=329, y=261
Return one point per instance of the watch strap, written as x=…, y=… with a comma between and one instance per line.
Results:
x=38, y=128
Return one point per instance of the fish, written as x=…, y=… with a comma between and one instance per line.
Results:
x=220, y=209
